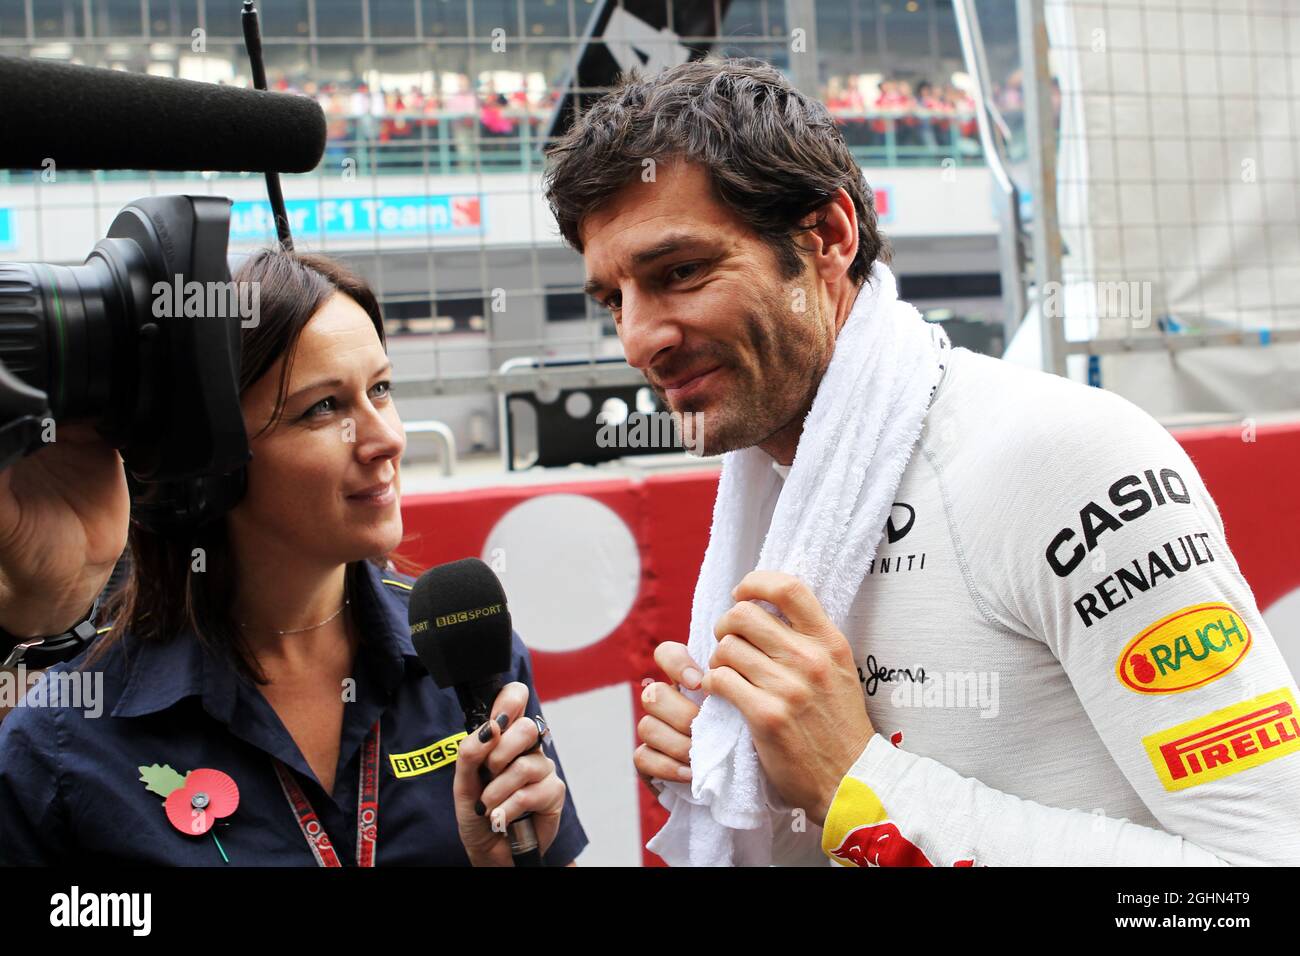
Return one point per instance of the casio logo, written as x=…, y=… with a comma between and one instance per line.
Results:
x=1131, y=497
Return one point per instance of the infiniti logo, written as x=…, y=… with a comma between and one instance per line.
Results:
x=893, y=532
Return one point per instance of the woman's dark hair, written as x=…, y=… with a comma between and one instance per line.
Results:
x=164, y=593
x=774, y=156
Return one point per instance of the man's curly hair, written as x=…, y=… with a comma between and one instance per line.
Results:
x=773, y=155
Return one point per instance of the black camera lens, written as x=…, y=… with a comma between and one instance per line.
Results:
x=58, y=329
x=104, y=343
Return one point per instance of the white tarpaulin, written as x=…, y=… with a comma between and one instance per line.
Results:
x=1179, y=196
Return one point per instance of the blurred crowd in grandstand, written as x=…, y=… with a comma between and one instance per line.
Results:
x=908, y=118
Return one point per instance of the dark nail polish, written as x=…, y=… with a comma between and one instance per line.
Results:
x=485, y=732
x=479, y=808
x=503, y=721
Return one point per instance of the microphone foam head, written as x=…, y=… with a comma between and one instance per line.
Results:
x=460, y=624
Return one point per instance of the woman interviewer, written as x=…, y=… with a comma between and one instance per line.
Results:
x=271, y=646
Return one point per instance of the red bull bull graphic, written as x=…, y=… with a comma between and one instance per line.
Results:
x=879, y=844
x=858, y=832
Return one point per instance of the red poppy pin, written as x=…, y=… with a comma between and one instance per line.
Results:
x=193, y=802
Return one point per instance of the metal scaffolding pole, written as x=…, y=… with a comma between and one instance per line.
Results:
x=1007, y=199
x=1040, y=130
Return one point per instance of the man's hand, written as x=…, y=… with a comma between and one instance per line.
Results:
x=665, y=730
x=796, y=686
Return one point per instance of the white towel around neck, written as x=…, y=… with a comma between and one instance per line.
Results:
x=856, y=442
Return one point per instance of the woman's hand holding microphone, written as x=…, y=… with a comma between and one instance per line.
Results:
x=523, y=779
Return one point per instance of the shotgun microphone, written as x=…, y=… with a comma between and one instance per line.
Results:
x=84, y=117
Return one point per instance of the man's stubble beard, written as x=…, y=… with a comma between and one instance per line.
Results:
x=760, y=402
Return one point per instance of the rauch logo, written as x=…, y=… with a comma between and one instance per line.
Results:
x=1187, y=649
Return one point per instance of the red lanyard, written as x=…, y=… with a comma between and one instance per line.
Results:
x=367, y=808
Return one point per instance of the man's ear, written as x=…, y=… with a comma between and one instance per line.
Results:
x=832, y=238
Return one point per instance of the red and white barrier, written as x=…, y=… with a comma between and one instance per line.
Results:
x=600, y=571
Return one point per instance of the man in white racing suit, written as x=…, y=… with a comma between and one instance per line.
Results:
x=1059, y=644
x=1053, y=658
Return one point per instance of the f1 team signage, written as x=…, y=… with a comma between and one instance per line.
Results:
x=884, y=196
x=358, y=217
x=8, y=240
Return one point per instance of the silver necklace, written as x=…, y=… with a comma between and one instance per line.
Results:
x=310, y=627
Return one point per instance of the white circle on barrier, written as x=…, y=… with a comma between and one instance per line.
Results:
x=578, y=405
x=570, y=567
x=613, y=412
x=1283, y=620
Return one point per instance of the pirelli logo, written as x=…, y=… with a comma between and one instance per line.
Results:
x=427, y=759
x=1225, y=742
